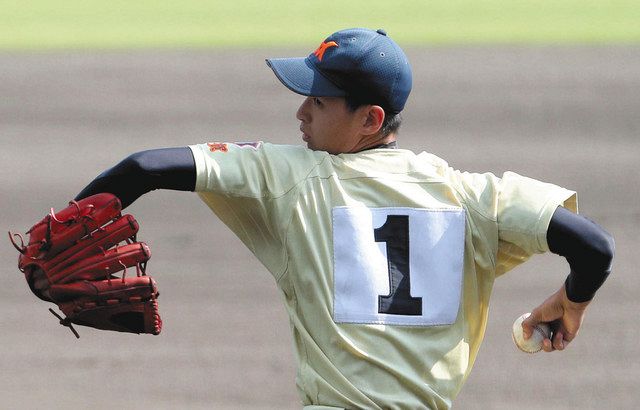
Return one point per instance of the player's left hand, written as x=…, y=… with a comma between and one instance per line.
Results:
x=564, y=316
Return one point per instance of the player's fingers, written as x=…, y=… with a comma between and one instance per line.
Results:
x=568, y=337
x=527, y=327
x=558, y=340
x=530, y=322
x=548, y=344
x=545, y=313
x=534, y=317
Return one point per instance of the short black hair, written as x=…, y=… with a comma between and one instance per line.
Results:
x=391, y=123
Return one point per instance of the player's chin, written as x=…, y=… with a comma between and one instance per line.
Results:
x=311, y=145
x=307, y=140
x=314, y=146
x=319, y=148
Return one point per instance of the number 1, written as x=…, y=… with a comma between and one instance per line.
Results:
x=395, y=233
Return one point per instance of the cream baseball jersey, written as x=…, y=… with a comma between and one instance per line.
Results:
x=385, y=260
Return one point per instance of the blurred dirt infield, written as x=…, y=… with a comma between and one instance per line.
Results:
x=565, y=115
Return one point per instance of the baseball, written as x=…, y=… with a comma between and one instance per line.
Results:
x=534, y=344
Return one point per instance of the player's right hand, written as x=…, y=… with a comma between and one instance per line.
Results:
x=564, y=316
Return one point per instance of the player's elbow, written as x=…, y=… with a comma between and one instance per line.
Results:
x=602, y=250
x=135, y=164
x=135, y=173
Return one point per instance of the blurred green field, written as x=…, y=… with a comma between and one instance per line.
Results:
x=47, y=24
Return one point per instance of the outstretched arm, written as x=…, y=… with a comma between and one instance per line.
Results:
x=139, y=173
x=589, y=251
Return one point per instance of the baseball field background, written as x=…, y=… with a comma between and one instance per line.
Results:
x=46, y=24
x=548, y=89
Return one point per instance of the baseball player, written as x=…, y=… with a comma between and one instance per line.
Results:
x=385, y=258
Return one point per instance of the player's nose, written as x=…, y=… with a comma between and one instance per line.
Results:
x=303, y=113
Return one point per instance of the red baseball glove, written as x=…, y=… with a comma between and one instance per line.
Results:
x=74, y=259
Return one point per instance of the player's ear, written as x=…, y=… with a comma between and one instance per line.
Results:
x=373, y=119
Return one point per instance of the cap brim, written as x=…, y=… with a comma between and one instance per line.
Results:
x=302, y=77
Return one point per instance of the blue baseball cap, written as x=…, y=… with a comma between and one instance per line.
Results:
x=358, y=62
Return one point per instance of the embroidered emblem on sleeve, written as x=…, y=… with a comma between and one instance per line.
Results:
x=224, y=146
x=217, y=146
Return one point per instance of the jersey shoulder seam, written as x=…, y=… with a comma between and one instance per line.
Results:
x=275, y=195
x=467, y=203
x=288, y=225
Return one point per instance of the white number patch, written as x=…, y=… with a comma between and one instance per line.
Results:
x=397, y=266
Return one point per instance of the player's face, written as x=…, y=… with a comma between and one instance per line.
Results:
x=327, y=124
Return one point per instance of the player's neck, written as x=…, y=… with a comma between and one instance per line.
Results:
x=388, y=141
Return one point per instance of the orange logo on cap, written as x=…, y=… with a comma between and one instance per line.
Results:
x=323, y=47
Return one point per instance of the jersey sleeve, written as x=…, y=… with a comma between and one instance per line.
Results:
x=516, y=210
x=250, y=188
x=525, y=208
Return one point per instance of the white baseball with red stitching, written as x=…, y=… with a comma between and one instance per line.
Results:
x=534, y=343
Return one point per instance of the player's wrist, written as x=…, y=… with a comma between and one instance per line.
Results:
x=571, y=303
x=579, y=290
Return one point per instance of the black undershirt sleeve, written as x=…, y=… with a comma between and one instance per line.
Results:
x=139, y=173
x=588, y=248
